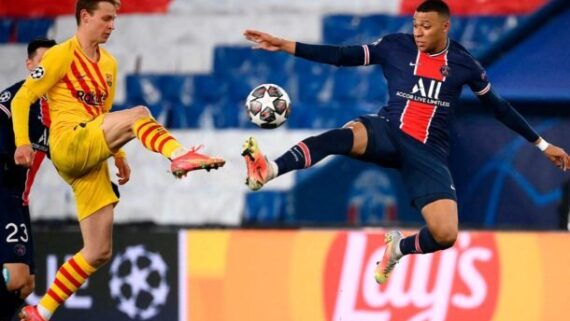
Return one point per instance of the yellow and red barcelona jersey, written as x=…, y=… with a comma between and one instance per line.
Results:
x=77, y=88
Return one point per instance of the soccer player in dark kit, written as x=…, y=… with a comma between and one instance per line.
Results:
x=425, y=73
x=16, y=242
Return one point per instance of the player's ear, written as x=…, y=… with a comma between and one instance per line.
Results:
x=29, y=64
x=446, y=26
x=83, y=14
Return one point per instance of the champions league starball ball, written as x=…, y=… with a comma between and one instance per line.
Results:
x=268, y=106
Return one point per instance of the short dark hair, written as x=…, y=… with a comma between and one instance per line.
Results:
x=39, y=43
x=90, y=6
x=438, y=6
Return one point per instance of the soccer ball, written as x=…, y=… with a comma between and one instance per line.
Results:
x=268, y=106
x=138, y=282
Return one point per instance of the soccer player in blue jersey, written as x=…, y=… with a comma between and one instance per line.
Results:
x=425, y=73
x=16, y=243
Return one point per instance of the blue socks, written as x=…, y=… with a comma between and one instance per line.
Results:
x=420, y=243
x=313, y=149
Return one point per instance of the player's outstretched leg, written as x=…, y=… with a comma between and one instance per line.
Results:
x=156, y=138
x=259, y=170
x=303, y=155
x=392, y=255
x=30, y=313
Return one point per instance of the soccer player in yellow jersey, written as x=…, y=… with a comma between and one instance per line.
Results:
x=79, y=78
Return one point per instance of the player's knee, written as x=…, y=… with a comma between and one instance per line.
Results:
x=97, y=257
x=360, y=137
x=103, y=256
x=17, y=281
x=446, y=236
x=141, y=112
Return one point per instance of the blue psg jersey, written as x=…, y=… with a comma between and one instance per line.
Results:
x=13, y=177
x=423, y=88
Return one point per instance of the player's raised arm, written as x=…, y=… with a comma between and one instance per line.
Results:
x=41, y=78
x=509, y=116
x=332, y=55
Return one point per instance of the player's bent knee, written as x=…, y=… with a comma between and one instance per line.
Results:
x=445, y=237
x=104, y=257
x=141, y=111
x=18, y=281
x=98, y=257
x=360, y=137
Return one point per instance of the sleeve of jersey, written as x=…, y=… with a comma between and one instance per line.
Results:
x=51, y=69
x=5, y=113
x=334, y=55
x=509, y=116
x=479, y=83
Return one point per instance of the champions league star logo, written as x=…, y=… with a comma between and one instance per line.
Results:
x=5, y=96
x=445, y=70
x=138, y=282
x=37, y=73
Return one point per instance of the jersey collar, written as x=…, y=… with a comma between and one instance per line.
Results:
x=443, y=51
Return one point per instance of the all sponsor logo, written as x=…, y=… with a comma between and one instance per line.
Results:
x=460, y=283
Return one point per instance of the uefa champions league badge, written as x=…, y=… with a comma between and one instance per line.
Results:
x=5, y=96
x=37, y=73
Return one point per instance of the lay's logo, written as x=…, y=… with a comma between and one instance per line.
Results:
x=460, y=283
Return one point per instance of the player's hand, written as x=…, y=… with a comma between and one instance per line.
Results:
x=24, y=155
x=268, y=42
x=558, y=157
x=124, y=171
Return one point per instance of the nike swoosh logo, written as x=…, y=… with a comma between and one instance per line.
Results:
x=412, y=64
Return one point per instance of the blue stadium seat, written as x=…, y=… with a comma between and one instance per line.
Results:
x=265, y=208
x=376, y=86
x=313, y=82
x=209, y=88
x=478, y=32
x=30, y=29
x=6, y=26
x=145, y=90
x=222, y=114
x=342, y=29
x=355, y=30
x=319, y=115
x=349, y=84
x=359, y=84
x=229, y=59
x=180, y=115
x=374, y=27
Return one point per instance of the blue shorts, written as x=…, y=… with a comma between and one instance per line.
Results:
x=16, y=240
x=425, y=173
